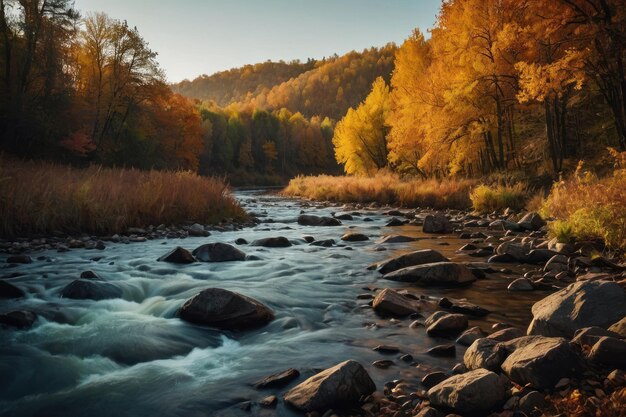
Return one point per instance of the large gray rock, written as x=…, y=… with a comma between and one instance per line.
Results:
x=485, y=353
x=178, y=255
x=83, y=289
x=448, y=325
x=420, y=257
x=391, y=302
x=542, y=362
x=532, y=221
x=582, y=304
x=218, y=252
x=438, y=273
x=272, y=242
x=437, y=223
x=339, y=386
x=311, y=220
x=474, y=392
x=225, y=309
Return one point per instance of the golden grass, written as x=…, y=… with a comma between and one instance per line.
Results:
x=492, y=198
x=590, y=208
x=384, y=188
x=40, y=198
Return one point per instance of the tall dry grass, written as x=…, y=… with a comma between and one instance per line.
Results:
x=40, y=198
x=487, y=198
x=589, y=207
x=384, y=189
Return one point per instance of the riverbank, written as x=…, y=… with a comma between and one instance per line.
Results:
x=43, y=199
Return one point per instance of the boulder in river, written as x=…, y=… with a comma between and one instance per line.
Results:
x=272, y=242
x=8, y=290
x=20, y=319
x=448, y=325
x=582, y=304
x=311, y=220
x=434, y=274
x=474, y=392
x=83, y=289
x=419, y=257
x=397, y=239
x=354, y=237
x=178, y=255
x=391, y=302
x=278, y=379
x=437, y=223
x=19, y=259
x=340, y=386
x=218, y=252
x=225, y=309
x=542, y=362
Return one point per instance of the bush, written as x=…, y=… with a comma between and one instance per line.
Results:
x=42, y=198
x=492, y=198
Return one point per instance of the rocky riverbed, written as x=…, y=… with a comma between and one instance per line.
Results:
x=311, y=308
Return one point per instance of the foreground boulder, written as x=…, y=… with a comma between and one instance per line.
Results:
x=420, y=257
x=20, y=319
x=473, y=392
x=485, y=353
x=225, y=309
x=582, y=304
x=391, y=302
x=311, y=220
x=340, y=386
x=272, y=242
x=542, y=362
x=438, y=273
x=83, y=289
x=178, y=255
x=437, y=223
x=218, y=252
x=8, y=290
x=448, y=325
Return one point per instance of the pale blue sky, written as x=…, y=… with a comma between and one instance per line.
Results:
x=194, y=37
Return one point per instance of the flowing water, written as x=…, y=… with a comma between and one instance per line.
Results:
x=133, y=357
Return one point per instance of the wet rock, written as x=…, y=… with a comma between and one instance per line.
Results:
x=463, y=307
x=342, y=385
x=343, y=216
x=391, y=302
x=395, y=222
x=433, y=379
x=225, y=309
x=448, y=325
x=354, y=237
x=474, y=392
x=178, y=255
x=504, y=335
x=556, y=264
x=272, y=242
x=197, y=230
x=610, y=352
x=542, y=361
x=383, y=364
x=8, y=290
x=582, y=304
x=521, y=284
x=438, y=273
x=502, y=258
x=443, y=350
x=532, y=404
x=241, y=241
x=269, y=401
x=19, y=259
x=469, y=246
x=517, y=250
x=278, y=379
x=485, y=353
x=397, y=239
x=539, y=256
x=437, y=223
x=90, y=275
x=20, y=319
x=82, y=289
x=532, y=221
x=469, y=336
x=326, y=243
x=387, y=349
x=311, y=220
x=420, y=257
x=218, y=252
x=619, y=327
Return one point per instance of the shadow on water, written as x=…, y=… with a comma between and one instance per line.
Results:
x=133, y=357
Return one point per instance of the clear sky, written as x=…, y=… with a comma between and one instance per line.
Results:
x=194, y=37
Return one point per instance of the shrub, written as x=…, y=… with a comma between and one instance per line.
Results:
x=41, y=198
x=491, y=198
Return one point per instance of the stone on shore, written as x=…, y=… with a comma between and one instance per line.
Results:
x=582, y=304
x=469, y=336
x=532, y=221
x=438, y=273
x=391, y=302
x=437, y=223
x=340, y=386
x=610, y=352
x=178, y=255
x=485, y=353
x=448, y=325
x=225, y=309
x=477, y=391
x=542, y=362
x=218, y=252
x=420, y=257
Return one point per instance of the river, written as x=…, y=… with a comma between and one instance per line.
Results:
x=133, y=357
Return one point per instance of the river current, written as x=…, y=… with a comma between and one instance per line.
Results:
x=133, y=357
